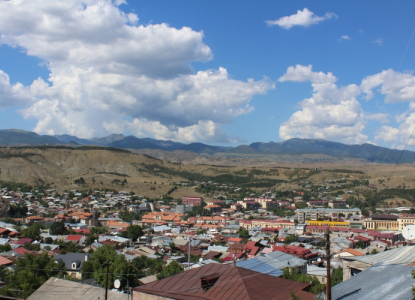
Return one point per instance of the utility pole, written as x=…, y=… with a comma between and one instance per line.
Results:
x=106, y=282
x=188, y=256
x=328, y=281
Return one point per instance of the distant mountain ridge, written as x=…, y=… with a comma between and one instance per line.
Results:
x=369, y=152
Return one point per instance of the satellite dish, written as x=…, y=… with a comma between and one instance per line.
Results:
x=117, y=283
x=408, y=232
x=200, y=259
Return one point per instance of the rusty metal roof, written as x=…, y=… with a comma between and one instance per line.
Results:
x=233, y=283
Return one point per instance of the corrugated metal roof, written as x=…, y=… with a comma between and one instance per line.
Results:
x=403, y=255
x=56, y=288
x=271, y=263
x=381, y=282
x=232, y=283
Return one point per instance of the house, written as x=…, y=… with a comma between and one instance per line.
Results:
x=116, y=225
x=350, y=252
x=195, y=201
x=273, y=263
x=73, y=263
x=382, y=281
x=318, y=272
x=55, y=288
x=76, y=239
x=233, y=240
x=5, y=262
x=34, y=219
x=218, y=281
x=355, y=264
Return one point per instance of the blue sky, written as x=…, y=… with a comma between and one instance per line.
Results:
x=219, y=72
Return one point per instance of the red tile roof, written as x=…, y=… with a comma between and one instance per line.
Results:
x=4, y=261
x=74, y=238
x=21, y=250
x=234, y=239
x=84, y=231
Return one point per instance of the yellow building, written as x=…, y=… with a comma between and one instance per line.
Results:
x=405, y=219
x=382, y=222
x=329, y=223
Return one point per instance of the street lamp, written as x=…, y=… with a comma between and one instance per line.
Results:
x=128, y=286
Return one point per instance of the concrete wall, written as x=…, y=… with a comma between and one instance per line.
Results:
x=136, y=295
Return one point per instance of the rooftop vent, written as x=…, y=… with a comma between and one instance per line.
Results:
x=208, y=281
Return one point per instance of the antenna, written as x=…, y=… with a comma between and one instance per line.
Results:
x=408, y=232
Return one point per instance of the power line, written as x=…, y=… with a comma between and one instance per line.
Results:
x=407, y=47
x=402, y=152
x=404, y=54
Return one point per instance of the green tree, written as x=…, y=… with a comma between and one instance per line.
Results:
x=132, y=232
x=9, y=220
x=57, y=228
x=147, y=266
x=360, y=244
x=293, y=274
x=172, y=269
x=336, y=276
x=48, y=240
x=374, y=251
x=291, y=239
x=98, y=230
x=243, y=233
x=33, y=231
x=4, y=248
x=31, y=247
x=30, y=273
x=96, y=267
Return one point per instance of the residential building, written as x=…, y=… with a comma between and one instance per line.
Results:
x=195, y=201
x=381, y=281
x=264, y=202
x=329, y=223
x=160, y=218
x=382, y=222
x=248, y=224
x=219, y=281
x=73, y=263
x=355, y=264
x=34, y=219
x=183, y=208
x=404, y=220
x=314, y=214
x=213, y=208
x=273, y=263
x=55, y=288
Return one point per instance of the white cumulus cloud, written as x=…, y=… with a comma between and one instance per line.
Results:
x=379, y=117
x=303, y=18
x=13, y=94
x=398, y=87
x=331, y=113
x=345, y=38
x=378, y=41
x=109, y=74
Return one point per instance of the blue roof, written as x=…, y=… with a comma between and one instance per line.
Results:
x=271, y=263
x=381, y=282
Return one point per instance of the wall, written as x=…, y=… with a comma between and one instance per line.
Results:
x=143, y=296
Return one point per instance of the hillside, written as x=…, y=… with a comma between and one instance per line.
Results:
x=60, y=166
x=289, y=150
x=368, y=152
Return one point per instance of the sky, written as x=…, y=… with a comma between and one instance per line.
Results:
x=219, y=72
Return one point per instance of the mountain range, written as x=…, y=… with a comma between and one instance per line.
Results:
x=295, y=146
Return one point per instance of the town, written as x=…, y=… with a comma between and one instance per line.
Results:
x=128, y=244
